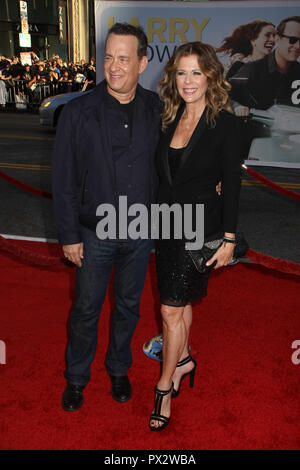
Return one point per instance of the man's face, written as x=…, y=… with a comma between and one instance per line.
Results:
x=287, y=51
x=122, y=65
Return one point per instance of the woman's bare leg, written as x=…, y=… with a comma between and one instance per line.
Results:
x=187, y=317
x=180, y=371
x=175, y=339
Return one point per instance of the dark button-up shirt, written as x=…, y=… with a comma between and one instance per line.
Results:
x=130, y=161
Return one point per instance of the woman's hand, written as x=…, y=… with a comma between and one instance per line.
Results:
x=224, y=255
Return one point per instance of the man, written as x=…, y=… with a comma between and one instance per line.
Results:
x=2, y=90
x=26, y=75
x=4, y=61
x=90, y=75
x=268, y=81
x=16, y=69
x=55, y=68
x=104, y=149
x=65, y=82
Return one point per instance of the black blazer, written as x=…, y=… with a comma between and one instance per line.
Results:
x=212, y=155
x=83, y=171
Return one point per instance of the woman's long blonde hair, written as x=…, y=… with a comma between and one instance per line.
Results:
x=217, y=97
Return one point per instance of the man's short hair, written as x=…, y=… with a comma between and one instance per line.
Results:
x=126, y=29
x=281, y=27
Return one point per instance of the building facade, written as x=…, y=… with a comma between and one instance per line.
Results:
x=56, y=27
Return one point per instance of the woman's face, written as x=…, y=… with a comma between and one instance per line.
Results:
x=191, y=82
x=264, y=43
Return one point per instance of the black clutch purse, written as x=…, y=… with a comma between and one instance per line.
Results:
x=200, y=257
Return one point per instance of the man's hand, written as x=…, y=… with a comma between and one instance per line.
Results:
x=74, y=253
x=242, y=111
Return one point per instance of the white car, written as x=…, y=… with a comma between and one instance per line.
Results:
x=283, y=143
x=52, y=106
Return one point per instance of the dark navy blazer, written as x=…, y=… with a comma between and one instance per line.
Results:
x=84, y=173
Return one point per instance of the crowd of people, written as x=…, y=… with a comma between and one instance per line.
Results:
x=51, y=76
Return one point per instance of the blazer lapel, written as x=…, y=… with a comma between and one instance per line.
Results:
x=166, y=143
x=199, y=129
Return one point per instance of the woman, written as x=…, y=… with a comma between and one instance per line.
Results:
x=198, y=148
x=248, y=42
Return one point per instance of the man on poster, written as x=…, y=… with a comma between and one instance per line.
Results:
x=268, y=81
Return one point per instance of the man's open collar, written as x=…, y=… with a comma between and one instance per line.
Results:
x=272, y=65
x=111, y=100
x=100, y=94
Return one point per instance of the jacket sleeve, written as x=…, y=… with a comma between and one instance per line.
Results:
x=241, y=86
x=231, y=172
x=64, y=178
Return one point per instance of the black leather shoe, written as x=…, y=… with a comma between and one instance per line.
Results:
x=121, y=389
x=72, y=398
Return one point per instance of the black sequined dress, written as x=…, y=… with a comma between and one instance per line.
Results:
x=179, y=282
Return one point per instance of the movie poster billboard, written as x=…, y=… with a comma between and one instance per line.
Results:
x=269, y=105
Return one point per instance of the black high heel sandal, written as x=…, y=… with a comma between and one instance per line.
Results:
x=188, y=359
x=159, y=395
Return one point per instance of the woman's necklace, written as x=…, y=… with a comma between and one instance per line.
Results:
x=188, y=126
x=185, y=124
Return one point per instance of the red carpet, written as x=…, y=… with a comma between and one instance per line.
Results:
x=246, y=394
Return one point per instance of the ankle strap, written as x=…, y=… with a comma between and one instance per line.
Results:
x=163, y=392
x=184, y=361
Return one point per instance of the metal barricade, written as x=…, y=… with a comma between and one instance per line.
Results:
x=20, y=97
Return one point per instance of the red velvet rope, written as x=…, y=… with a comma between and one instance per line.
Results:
x=273, y=263
x=253, y=173
x=274, y=186
x=24, y=186
x=30, y=258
